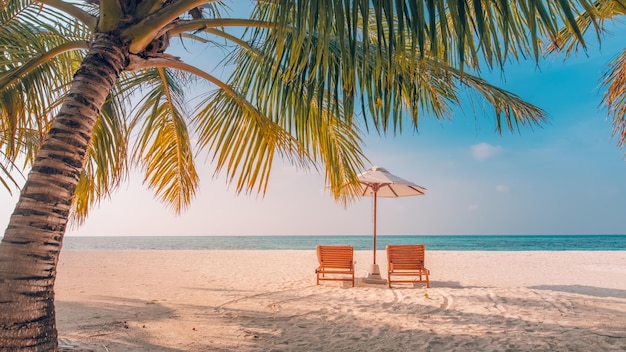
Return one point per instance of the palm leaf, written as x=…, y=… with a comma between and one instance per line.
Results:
x=163, y=146
x=106, y=165
x=613, y=79
x=615, y=96
x=40, y=55
x=593, y=16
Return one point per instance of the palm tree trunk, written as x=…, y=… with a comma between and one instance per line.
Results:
x=29, y=251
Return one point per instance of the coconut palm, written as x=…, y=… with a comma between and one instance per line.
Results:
x=614, y=79
x=303, y=70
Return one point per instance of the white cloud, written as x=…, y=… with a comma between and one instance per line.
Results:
x=502, y=188
x=484, y=151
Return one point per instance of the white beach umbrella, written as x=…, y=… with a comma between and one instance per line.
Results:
x=378, y=182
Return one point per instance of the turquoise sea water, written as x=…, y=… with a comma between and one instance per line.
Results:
x=449, y=243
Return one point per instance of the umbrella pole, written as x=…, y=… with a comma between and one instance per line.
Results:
x=375, y=201
x=374, y=275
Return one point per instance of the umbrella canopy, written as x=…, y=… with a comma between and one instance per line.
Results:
x=378, y=182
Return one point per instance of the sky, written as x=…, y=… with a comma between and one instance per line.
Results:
x=565, y=177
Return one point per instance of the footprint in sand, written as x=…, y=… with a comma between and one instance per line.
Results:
x=496, y=302
x=397, y=297
x=448, y=300
x=561, y=305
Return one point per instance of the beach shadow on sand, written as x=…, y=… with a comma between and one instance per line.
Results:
x=584, y=290
x=349, y=319
x=110, y=324
x=449, y=284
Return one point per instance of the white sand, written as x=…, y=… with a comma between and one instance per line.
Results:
x=268, y=301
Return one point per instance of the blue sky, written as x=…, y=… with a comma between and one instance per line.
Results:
x=566, y=177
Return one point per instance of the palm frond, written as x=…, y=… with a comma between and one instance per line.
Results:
x=457, y=33
x=615, y=95
x=593, y=16
x=6, y=179
x=39, y=59
x=243, y=140
x=312, y=89
x=418, y=86
x=8, y=168
x=614, y=79
x=106, y=165
x=86, y=13
x=382, y=60
x=163, y=147
x=444, y=84
x=323, y=133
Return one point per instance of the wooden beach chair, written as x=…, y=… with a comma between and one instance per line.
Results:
x=336, y=263
x=406, y=264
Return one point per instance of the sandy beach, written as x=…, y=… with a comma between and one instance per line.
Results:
x=268, y=301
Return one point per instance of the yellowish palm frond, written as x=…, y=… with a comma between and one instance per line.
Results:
x=615, y=95
x=106, y=166
x=40, y=56
x=163, y=148
x=594, y=17
x=243, y=140
x=614, y=79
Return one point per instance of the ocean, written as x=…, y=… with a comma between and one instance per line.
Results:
x=444, y=243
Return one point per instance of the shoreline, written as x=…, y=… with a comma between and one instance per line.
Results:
x=359, y=242
x=263, y=300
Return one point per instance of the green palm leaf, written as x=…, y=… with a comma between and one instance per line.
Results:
x=613, y=80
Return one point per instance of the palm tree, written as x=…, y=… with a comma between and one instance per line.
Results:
x=302, y=71
x=614, y=79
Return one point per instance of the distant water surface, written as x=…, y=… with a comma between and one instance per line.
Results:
x=448, y=243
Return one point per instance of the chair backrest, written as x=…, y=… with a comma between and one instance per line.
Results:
x=335, y=256
x=406, y=257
